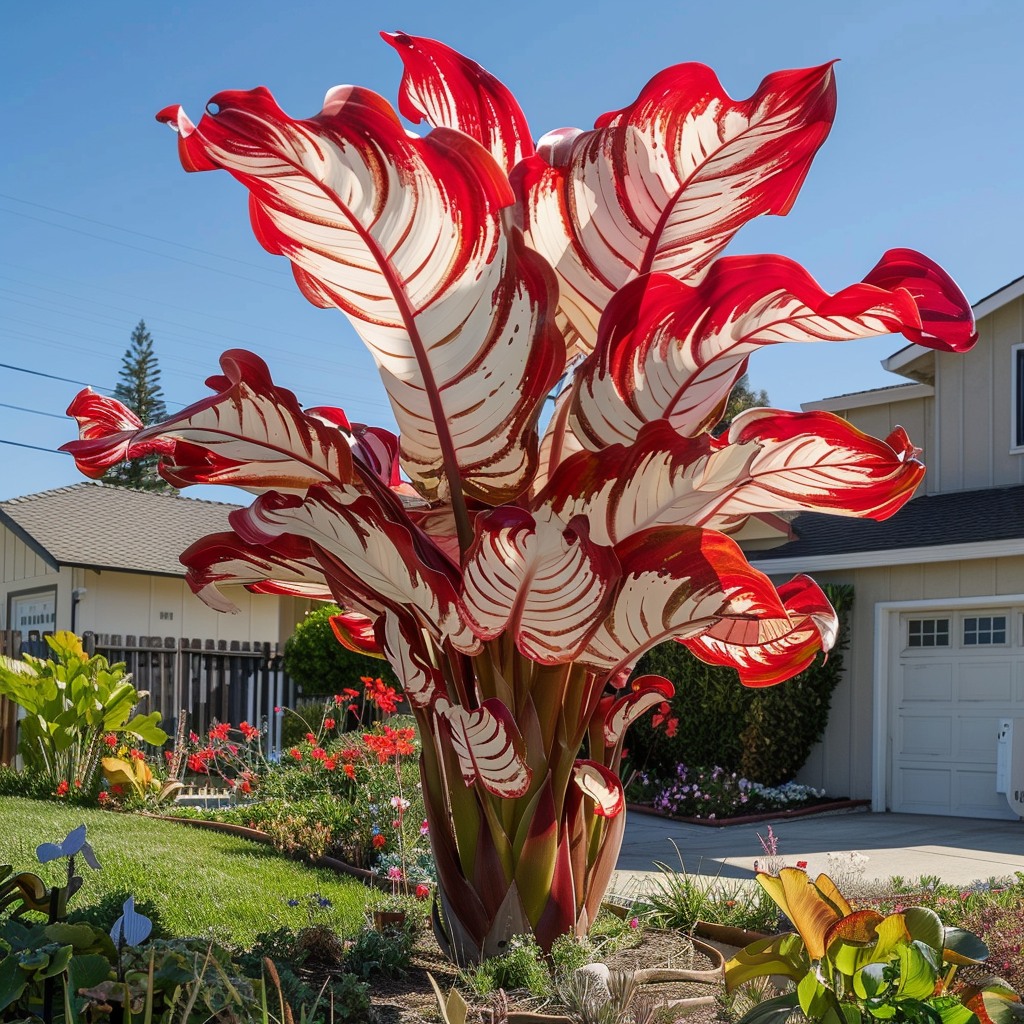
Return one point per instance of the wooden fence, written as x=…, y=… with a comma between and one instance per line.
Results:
x=207, y=679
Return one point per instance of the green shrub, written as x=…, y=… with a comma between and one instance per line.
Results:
x=318, y=663
x=386, y=953
x=32, y=785
x=522, y=967
x=108, y=908
x=764, y=734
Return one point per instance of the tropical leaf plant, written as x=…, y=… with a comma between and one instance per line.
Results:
x=850, y=965
x=71, y=701
x=513, y=567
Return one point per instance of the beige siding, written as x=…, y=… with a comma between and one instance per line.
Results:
x=973, y=397
x=842, y=762
x=18, y=562
x=133, y=604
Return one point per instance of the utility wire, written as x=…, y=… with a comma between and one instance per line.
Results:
x=129, y=231
x=36, y=412
x=52, y=376
x=34, y=447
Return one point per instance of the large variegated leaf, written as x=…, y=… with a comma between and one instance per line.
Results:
x=601, y=785
x=803, y=903
x=539, y=578
x=283, y=565
x=681, y=581
x=365, y=548
x=406, y=236
x=665, y=183
x=489, y=747
x=644, y=693
x=356, y=632
x=765, y=661
x=250, y=433
x=769, y=461
x=671, y=350
x=405, y=645
x=448, y=90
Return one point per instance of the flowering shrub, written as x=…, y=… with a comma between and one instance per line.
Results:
x=717, y=793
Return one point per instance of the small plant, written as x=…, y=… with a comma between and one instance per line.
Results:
x=375, y=952
x=522, y=967
x=570, y=952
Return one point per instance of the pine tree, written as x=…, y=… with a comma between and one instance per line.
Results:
x=139, y=389
x=742, y=397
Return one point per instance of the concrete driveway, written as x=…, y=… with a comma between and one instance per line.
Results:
x=957, y=850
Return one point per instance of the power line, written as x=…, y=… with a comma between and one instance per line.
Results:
x=148, y=252
x=52, y=376
x=129, y=231
x=33, y=447
x=36, y=412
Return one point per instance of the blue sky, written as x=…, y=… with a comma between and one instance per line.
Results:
x=101, y=226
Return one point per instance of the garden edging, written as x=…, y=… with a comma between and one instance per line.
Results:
x=831, y=807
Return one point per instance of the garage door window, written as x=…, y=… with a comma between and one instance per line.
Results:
x=929, y=632
x=984, y=630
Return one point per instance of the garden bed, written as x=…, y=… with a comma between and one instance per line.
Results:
x=818, y=807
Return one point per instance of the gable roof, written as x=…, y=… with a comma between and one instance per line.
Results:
x=930, y=521
x=103, y=527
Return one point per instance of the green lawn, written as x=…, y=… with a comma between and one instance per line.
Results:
x=200, y=882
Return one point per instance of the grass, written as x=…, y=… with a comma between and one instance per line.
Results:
x=201, y=883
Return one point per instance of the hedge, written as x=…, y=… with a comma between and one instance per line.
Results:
x=764, y=734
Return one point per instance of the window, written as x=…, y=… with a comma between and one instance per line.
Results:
x=929, y=632
x=981, y=630
x=1017, y=379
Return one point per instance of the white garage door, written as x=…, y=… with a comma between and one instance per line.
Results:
x=958, y=673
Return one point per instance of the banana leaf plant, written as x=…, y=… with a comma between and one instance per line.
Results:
x=512, y=560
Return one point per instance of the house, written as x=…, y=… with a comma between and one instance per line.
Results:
x=91, y=557
x=103, y=561
x=936, y=657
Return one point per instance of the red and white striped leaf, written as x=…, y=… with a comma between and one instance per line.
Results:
x=489, y=747
x=768, y=461
x=668, y=350
x=406, y=647
x=356, y=632
x=538, y=577
x=285, y=565
x=601, y=785
x=250, y=434
x=448, y=90
x=681, y=581
x=644, y=693
x=813, y=627
x=406, y=236
x=367, y=549
x=665, y=183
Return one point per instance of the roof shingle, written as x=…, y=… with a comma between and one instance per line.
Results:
x=103, y=527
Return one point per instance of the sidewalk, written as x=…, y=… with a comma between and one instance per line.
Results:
x=957, y=850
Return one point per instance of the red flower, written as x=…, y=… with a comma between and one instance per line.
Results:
x=422, y=891
x=339, y=699
x=168, y=756
x=329, y=723
x=310, y=738
x=245, y=787
x=802, y=864
x=671, y=727
x=349, y=771
x=220, y=731
x=137, y=754
x=379, y=693
x=249, y=732
x=318, y=754
x=296, y=753
x=330, y=764
x=103, y=797
x=111, y=740
x=378, y=842
x=62, y=787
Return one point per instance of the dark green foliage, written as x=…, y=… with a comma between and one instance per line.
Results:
x=386, y=953
x=139, y=389
x=764, y=734
x=33, y=785
x=108, y=906
x=319, y=664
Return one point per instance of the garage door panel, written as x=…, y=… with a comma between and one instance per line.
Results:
x=925, y=790
x=976, y=739
x=926, y=735
x=927, y=681
x=975, y=796
x=985, y=680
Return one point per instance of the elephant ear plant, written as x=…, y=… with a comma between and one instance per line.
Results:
x=511, y=566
